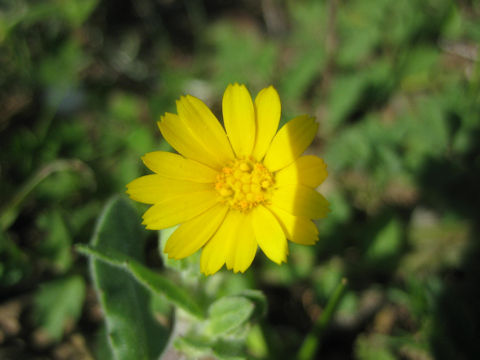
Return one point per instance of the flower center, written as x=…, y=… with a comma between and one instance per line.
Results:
x=244, y=184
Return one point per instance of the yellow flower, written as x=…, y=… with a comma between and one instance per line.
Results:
x=236, y=190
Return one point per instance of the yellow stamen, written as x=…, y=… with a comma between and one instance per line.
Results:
x=244, y=184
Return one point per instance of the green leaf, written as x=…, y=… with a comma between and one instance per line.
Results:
x=132, y=331
x=302, y=73
x=256, y=342
x=374, y=347
x=77, y=11
x=428, y=133
x=344, y=96
x=193, y=346
x=259, y=300
x=101, y=346
x=327, y=277
x=153, y=281
x=229, y=313
x=228, y=349
x=359, y=28
x=53, y=315
x=164, y=286
x=386, y=244
x=14, y=263
x=56, y=245
x=196, y=346
x=420, y=68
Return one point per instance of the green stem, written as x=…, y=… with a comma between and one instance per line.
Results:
x=313, y=340
x=10, y=212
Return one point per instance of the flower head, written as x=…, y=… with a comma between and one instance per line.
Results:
x=234, y=189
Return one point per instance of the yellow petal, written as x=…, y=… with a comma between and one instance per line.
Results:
x=267, y=114
x=150, y=189
x=300, y=200
x=175, y=209
x=193, y=234
x=205, y=128
x=174, y=166
x=215, y=252
x=297, y=229
x=239, y=119
x=269, y=234
x=177, y=134
x=307, y=170
x=290, y=142
x=244, y=247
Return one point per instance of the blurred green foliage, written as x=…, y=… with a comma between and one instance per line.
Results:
x=395, y=86
x=54, y=319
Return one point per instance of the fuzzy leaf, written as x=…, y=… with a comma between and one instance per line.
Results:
x=132, y=331
x=153, y=281
x=228, y=313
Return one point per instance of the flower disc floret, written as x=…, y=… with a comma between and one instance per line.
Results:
x=244, y=184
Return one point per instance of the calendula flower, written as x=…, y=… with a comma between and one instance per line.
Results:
x=234, y=189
